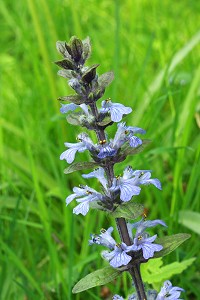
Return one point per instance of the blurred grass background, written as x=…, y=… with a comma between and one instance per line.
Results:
x=153, y=48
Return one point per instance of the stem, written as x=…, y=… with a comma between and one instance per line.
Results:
x=136, y=275
x=121, y=222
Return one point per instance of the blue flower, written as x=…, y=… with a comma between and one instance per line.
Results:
x=127, y=188
x=98, y=173
x=106, y=150
x=168, y=292
x=68, y=107
x=117, y=297
x=85, y=143
x=144, y=242
x=84, y=195
x=129, y=183
x=142, y=225
x=116, y=110
x=118, y=257
x=126, y=134
x=142, y=239
x=145, y=180
x=104, y=238
x=134, y=141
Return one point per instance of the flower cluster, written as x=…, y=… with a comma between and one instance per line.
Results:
x=104, y=149
x=116, y=191
x=141, y=241
x=123, y=188
x=167, y=292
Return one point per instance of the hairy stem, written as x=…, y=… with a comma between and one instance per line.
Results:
x=121, y=222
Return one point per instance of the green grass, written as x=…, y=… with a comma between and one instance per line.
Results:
x=153, y=48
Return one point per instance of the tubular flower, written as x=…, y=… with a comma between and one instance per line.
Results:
x=142, y=239
x=106, y=150
x=145, y=243
x=168, y=292
x=142, y=225
x=84, y=195
x=70, y=107
x=116, y=110
x=98, y=173
x=126, y=133
x=85, y=143
x=129, y=183
x=104, y=238
x=117, y=297
x=118, y=257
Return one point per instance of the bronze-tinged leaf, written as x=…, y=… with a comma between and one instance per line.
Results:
x=128, y=150
x=170, y=243
x=96, y=278
x=77, y=166
x=90, y=74
x=77, y=48
x=105, y=79
x=129, y=210
x=65, y=64
x=86, y=49
x=72, y=98
x=65, y=73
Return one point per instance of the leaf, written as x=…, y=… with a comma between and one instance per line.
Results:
x=65, y=73
x=190, y=219
x=77, y=166
x=72, y=98
x=90, y=74
x=76, y=47
x=154, y=272
x=106, y=121
x=129, y=210
x=74, y=118
x=105, y=79
x=96, y=278
x=86, y=48
x=65, y=64
x=170, y=243
x=61, y=47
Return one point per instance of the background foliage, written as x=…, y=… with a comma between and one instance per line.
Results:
x=153, y=48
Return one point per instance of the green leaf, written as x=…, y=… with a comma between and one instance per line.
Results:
x=170, y=243
x=105, y=79
x=128, y=150
x=96, y=278
x=77, y=166
x=72, y=98
x=190, y=219
x=74, y=118
x=65, y=64
x=90, y=74
x=65, y=73
x=154, y=272
x=129, y=210
x=86, y=49
x=106, y=121
x=76, y=47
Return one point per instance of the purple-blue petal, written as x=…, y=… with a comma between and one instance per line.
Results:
x=134, y=141
x=67, y=107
